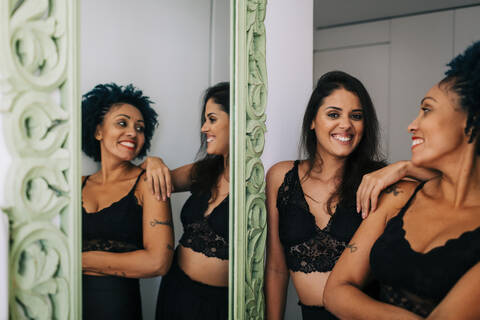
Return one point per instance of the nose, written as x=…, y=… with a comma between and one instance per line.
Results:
x=345, y=123
x=204, y=127
x=413, y=126
x=131, y=132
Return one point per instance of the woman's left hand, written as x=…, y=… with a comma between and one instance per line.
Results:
x=158, y=178
x=375, y=182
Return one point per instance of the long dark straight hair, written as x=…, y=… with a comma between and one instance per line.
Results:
x=365, y=158
x=207, y=169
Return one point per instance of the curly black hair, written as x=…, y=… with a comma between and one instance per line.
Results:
x=463, y=77
x=209, y=167
x=97, y=102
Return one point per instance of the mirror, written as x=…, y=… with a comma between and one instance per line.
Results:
x=40, y=92
x=398, y=53
x=172, y=51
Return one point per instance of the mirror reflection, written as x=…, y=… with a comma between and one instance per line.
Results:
x=142, y=220
x=312, y=214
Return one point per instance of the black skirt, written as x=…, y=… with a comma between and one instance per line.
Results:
x=181, y=298
x=315, y=313
x=111, y=297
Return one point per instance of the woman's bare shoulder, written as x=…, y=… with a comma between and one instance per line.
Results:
x=394, y=197
x=280, y=168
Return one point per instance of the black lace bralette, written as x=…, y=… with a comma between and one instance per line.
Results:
x=419, y=281
x=116, y=228
x=205, y=234
x=307, y=247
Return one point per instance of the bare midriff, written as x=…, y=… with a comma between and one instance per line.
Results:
x=208, y=270
x=310, y=286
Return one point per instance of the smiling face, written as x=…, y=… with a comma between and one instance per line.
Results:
x=338, y=124
x=216, y=129
x=121, y=133
x=438, y=131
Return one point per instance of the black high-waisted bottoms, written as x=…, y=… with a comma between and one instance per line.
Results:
x=181, y=298
x=111, y=297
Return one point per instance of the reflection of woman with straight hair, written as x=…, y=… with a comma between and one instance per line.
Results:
x=195, y=288
x=127, y=234
x=311, y=203
x=423, y=241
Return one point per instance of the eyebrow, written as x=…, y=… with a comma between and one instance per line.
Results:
x=211, y=113
x=421, y=102
x=128, y=117
x=340, y=109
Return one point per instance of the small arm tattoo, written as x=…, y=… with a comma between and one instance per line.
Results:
x=170, y=247
x=352, y=247
x=393, y=189
x=167, y=223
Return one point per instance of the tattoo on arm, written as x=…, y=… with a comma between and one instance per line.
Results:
x=393, y=189
x=167, y=223
x=170, y=247
x=352, y=247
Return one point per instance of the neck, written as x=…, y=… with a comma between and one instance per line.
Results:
x=226, y=167
x=113, y=169
x=327, y=167
x=460, y=179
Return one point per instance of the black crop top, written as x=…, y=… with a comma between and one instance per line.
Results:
x=307, y=247
x=205, y=234
x=117, y=228
x=419, y=281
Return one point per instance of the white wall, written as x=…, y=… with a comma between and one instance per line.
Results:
x=172, y=50
x=290, y=67
x=398, y=60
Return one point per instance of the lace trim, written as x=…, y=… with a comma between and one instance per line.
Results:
x=318, y=254
x=200, y=237
x=406, y=300
x=108, y=245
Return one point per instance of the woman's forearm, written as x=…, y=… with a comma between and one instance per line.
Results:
x=135, y=264
x=348, y=302
x=276, y=284
x=418, y=173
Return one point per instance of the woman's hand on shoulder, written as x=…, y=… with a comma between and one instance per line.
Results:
x=375, y=182
x=158, y=178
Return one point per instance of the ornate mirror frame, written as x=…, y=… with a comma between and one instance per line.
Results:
x=40, y=111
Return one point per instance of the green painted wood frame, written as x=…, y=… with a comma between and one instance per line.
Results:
x=40, y=110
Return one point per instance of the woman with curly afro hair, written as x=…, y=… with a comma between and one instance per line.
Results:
x=423, y=241
x=127, y=233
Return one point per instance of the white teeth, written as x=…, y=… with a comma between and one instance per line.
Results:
x=210, y=139
x=128, y=144
x=342, y=138
x=416, y=142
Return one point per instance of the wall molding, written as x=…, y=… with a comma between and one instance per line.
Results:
x=247, y=140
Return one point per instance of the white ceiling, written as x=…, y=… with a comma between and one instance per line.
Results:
x=337, y=12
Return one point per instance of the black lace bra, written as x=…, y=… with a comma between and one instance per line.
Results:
x=205, y=234
x=117, y=228
x=307, y=247
x=419, y=281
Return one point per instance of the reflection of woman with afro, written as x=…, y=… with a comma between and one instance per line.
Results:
x=423, y=241
x=127, y=234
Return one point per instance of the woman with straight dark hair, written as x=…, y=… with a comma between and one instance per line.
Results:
x=196, y=287
x=311, y=203
x=422, y=243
